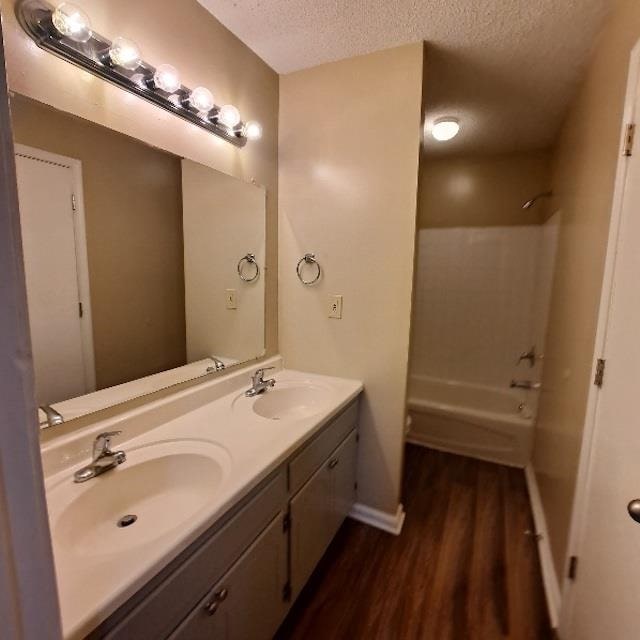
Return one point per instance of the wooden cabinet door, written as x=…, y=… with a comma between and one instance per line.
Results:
x=247, y=603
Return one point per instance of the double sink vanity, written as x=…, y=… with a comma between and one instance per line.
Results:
x=215, y=512
x=175, y=511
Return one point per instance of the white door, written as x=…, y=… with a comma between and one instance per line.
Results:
x=62, y=362
x=605, y=599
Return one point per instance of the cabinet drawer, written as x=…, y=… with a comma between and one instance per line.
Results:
x=303, y=466
x=248, y=602
x=181, y=587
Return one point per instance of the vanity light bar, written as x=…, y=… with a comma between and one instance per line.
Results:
x=66, y=33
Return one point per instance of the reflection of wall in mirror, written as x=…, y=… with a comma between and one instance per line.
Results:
x=223, y=221
x=133, y=215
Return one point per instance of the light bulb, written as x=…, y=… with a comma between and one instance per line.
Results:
x=445, y=129
x=125, y=53
x=201, y=99
x=253, y=130
x=229, y=116
x=72, y=22
x=167, y=78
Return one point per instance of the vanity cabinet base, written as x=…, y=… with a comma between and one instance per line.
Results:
x=248, y=602
x=240, y=579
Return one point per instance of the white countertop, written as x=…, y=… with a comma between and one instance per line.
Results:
x=95, y=585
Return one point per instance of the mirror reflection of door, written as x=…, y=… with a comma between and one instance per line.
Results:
x=53, y=243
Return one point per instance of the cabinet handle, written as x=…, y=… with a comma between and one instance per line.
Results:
x=212, y=606
x=333, y=462
x=221, y=594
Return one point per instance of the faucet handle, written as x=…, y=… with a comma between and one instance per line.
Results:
x=102, y=443
x=259, y=374
x=263, y=369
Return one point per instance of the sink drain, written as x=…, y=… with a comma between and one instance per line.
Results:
x=127, y=520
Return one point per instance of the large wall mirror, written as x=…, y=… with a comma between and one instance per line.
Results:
x=143, y=269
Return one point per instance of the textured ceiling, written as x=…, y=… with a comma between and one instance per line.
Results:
x=506, y=68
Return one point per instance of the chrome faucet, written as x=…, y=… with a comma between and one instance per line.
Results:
x=259, y=384
x=218, y=365
x=103, y=458
x=53, y=416
x=524, y=384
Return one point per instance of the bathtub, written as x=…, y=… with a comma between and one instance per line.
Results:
x=482, y=422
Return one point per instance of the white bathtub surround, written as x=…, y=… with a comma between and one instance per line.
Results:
x=482, y=299
x=215, y=420
x=549, y=575
x=475, y=306
x=471, y=420
x=391, y=523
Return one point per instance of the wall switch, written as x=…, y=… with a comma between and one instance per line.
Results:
x=335, y=307
x=231, y=299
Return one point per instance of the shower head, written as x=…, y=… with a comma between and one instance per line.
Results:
x=529, y=203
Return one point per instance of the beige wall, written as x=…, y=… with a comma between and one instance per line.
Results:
x=348, y=185
x=583, y=179
x=483, y=191
x=189, y=37
x=133, y=213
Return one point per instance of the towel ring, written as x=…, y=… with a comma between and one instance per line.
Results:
x=308, y=258
x=250, y=258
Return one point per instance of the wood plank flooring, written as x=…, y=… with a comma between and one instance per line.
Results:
x=462, y=569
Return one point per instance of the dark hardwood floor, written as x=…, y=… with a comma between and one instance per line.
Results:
x=462, y=569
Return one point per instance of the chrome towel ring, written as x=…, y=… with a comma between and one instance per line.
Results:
x=308, y=258
x=250, y=258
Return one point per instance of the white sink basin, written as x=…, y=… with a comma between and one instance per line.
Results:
x=163, y=485
x=292, y=401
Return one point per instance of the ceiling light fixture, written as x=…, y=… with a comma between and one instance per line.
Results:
x=445, y=129
x=65, y=31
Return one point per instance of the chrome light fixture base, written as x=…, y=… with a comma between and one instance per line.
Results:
x=35, y=17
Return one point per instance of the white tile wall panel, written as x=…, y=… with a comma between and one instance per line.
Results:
x=481, y=299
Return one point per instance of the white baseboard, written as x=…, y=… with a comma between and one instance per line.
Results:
x=549, y=575
x=391, y=523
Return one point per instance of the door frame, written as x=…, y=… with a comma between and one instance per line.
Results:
x=82, y=258
x=578, y=526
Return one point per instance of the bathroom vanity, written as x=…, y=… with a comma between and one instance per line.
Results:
x=218, y=517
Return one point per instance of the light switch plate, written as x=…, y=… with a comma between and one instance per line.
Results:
x=335, y=307
x=232, y=303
